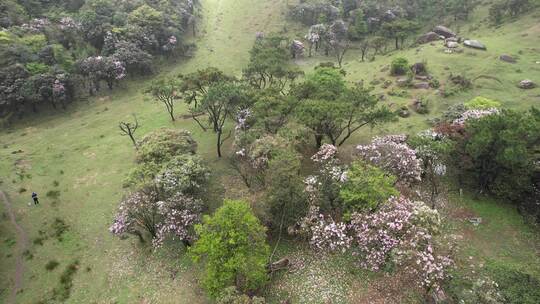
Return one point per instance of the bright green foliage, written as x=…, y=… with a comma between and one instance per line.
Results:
x=232, y=246
x=399, y=66
x=5, y=37
x=366, y=188
x=34, y=42
x=285, y=195
x=481, y=103
x=62, y=57
x=325, y=83
x=146, y=17
x=35, y=68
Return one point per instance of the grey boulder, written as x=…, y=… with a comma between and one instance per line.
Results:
x=527, y=84
x=428, y=37
x=475, y=44
x=507, y=58
x=444, y=31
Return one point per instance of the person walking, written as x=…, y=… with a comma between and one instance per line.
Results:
x=35, y=198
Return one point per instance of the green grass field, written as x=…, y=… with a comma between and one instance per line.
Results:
x=80, y=159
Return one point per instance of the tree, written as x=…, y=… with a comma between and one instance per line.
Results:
x=359, y=30
x=269, y=65
x=340, y=117
x=499, y=150
x=461, y=9
x=285, y=191
x=433, y=149
x=366, y=188
x=223, y=101
x=165, y=90
x=399, y=30
x=128, y=129
x=146, y=17
x=272, y=110
x=195, y=85
x=136, y=60
x=336, y=39
x=323, y=188
x=232, y=246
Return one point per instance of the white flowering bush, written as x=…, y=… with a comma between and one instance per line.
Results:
x=474, y=114
x=392, y=154
x=185, y=173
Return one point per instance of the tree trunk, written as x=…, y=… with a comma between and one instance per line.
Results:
x=133, y=140
x=219, y=143
x=318, y=140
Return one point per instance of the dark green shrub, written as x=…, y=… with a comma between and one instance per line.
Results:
x=399, y=66
x=53, y=194
x=51, y=265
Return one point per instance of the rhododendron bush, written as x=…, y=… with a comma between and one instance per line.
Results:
x=324, y=233
x=142, y=212
x=401, y=232
x=185, y=173
x=401, y=235
x=392, y=154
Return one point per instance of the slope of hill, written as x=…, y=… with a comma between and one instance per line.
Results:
x=77, y=161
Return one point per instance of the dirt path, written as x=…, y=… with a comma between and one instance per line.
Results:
x=22, y=245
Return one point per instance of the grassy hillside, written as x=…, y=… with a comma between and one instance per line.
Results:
x=80, y=160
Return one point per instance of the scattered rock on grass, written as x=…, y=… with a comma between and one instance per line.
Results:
x=419, y=68
x=402, y=82
x=444, y=31
x=527, y=84
x=421, y=85
x=475, y=44
x=452, y=44
x=507, y=58
x=428, y=37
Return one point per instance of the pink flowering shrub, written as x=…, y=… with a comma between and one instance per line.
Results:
x=323, y=232
x=179, y=215
x=401, y=232
x=142, y=212
x=393, y=155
